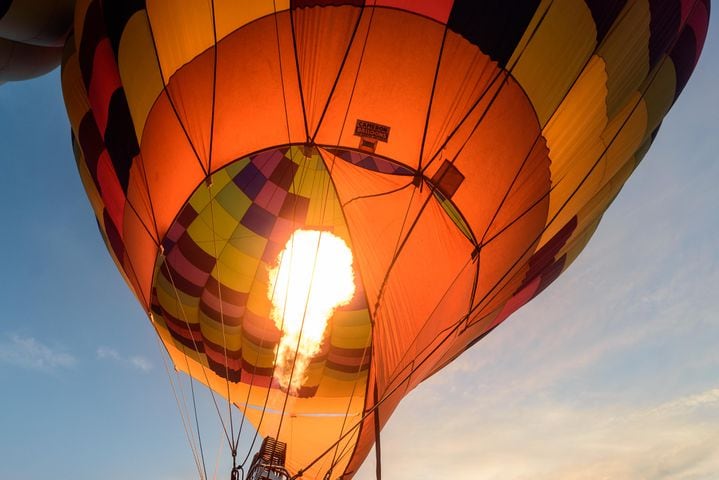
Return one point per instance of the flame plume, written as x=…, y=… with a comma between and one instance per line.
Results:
x=313, y=277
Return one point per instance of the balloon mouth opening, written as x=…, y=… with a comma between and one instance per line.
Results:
x=312, y=276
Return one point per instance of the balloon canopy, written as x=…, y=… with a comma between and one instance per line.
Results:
x=32, y=33
x=449, y=158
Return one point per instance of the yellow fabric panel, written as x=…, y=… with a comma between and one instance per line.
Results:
x=555, y=55
x=89, y=184
x=224, y=335
x=589, y=216
x=231, y=14
x=257, y=356
x=216, y=227
x=625, y=51
x=659, y=94
x=573, y=139
x=178, y=304
x=182, y=33
x=343, y=382
x=624, y=135
x=237, y=269
x=354, y=331
x=179, y=33
x=257, y=301
x=139, y=70
x=73, y=91
x=248, y=241
x=321, y=418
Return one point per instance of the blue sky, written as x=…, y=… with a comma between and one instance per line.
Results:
x=613, y=372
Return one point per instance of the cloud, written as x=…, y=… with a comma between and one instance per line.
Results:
x=678, y=439
x=135, y=361
x=28, y=352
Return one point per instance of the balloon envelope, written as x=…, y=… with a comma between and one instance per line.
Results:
x=464, y=151
x=32, y=33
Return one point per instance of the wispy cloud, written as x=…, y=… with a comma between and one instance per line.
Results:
x=135, y=361
x=678, y=439
x=30, y=353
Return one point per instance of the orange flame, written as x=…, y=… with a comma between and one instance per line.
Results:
x=312, y=278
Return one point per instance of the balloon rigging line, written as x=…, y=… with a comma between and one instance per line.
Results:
x=302, y=323
x=324, y=208
x=375, y=195
x=297, y=70
x=141, y=167
x=233, y=447
x=646, y=86
x=196, y=348
x=220, y=447
x=499, y=73
x=222, y=316
x=566, y=202
x=431, y=97
x=369, y=338
x=332, y=185
x=197, y=421
x=185, y=423
x=346, y=113
x=276, y=355
x=169, y=98
x=434, y=184
x=458, y=323
x=539, y=136
x=214, y=92
x=339, y=72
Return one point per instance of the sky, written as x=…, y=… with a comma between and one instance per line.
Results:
x=611, y=373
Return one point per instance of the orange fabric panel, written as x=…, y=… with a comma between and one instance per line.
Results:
x=252, y=114
x=323, y=36
x=393, y=83
x=465, y=76
x=164, y=148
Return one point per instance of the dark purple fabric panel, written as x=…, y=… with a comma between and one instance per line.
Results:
x=250, y=180
x=663, y=27
x=684, y=56
x=259, y=220
x=495, y=26
x=120, y=139
x=605, y=13
x=117, y=13
x=113, y=237
x=93, y=31
x=91, y=143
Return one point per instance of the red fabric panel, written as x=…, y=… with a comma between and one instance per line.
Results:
x=105, y=80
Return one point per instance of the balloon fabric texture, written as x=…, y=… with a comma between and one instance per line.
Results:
x=456, y=156
x=32, y=33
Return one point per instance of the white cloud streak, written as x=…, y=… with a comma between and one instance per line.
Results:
x=550, y=440
x=135, y=361
x=30, y=353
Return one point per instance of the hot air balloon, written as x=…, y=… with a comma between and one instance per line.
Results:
x=321, y=203
x=32, y=34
